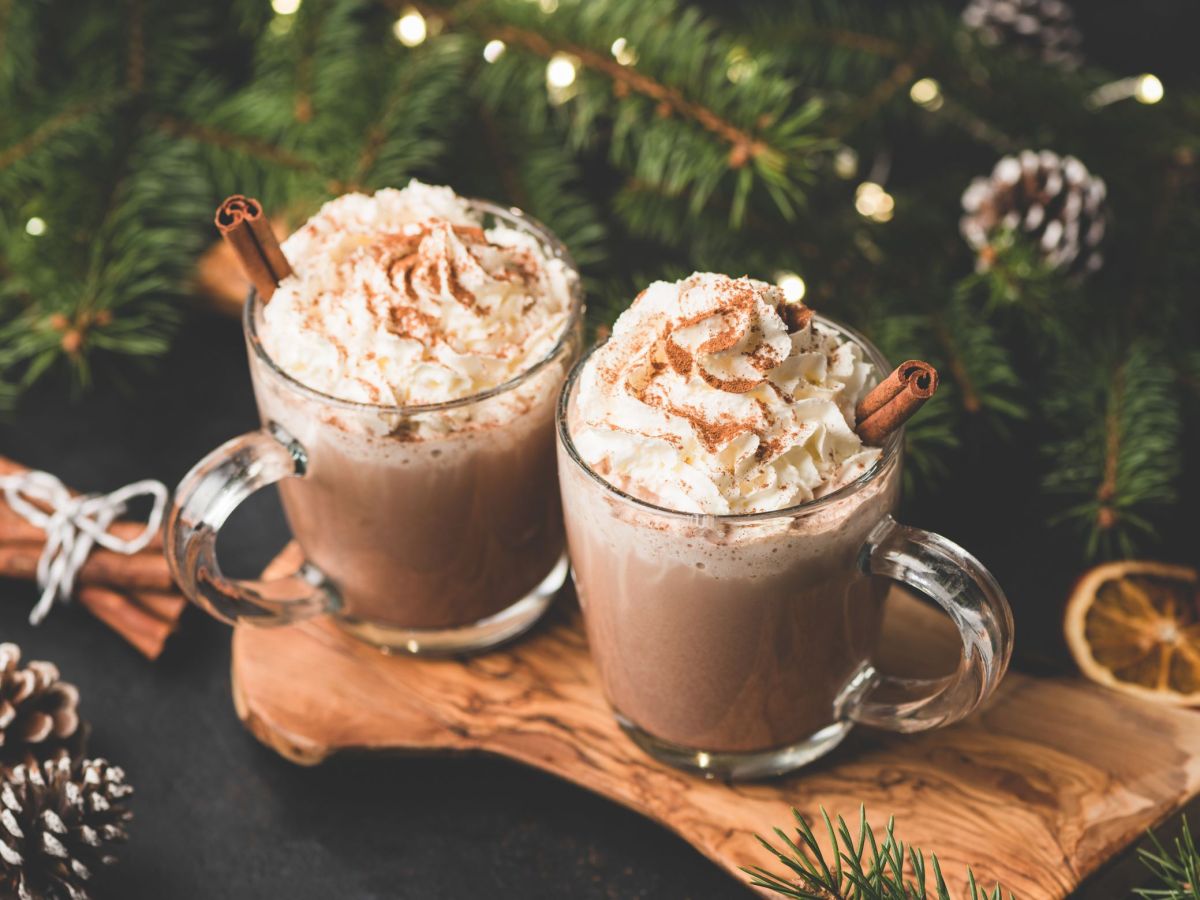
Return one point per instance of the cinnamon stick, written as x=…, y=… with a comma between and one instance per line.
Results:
x=796, y=316
x=14, y=528
x=132, y=594
x=248, y=232
x=167, y=606
x=142, y=571
x=894, y=400
x=145, y=631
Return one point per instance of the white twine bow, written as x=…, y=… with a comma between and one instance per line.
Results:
x=73, y=525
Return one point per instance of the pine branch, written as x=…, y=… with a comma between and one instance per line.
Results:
x=628, y=77
x=1176, y=869
x=1117, y=471
x=268, y=153
x=672, y=116
x=59, y=127
x=416, y=114
x=902, y=75
x=979, y=364
x=17, y=61
x=857, y=868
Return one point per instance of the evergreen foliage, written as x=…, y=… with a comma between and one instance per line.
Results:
x=857, y=868
x=1176, y=871
x=864, y=868
x=735, y=140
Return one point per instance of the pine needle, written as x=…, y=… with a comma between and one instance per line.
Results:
x=864, y=868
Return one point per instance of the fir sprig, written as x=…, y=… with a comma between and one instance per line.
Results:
x=684, y=117
x=1116, y=469
x=1177, y=869
x=857, y=868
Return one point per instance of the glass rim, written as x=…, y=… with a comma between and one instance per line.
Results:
x=511, y=216
x=889, y=451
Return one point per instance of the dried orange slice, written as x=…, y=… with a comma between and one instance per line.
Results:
x=1135, y=626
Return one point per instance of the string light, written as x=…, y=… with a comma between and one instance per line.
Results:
x=927, y=94
x=623, y=53
x=1145, y=88
x=35, y=227
x=792, y=285
x=285, y=7
x=410, y=28
x=845, y=162
x=874, y=203
x=1149, y=89
x=493, y=50
x=561, y=71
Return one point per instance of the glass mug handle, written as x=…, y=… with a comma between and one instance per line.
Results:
x=204, y=500
x=960, y=585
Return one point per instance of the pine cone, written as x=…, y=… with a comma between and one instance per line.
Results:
x=1043, y=29
x=58, y=820
x=36, y=709
x=1052, y=199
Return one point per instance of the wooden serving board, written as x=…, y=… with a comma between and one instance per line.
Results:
x=1035, y=791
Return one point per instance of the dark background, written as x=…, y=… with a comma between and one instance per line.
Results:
x=218, y=816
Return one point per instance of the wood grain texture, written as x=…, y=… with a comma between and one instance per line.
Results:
x=1053, y=777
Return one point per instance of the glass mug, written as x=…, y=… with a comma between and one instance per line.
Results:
x=740, y=646
x=428, y=529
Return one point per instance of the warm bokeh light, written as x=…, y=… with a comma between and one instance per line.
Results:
x=845, y=162
x=873, y=202
x=1149, y=89
x=493, y=50
x=560, y=71
x=36, y=226
x=927, y=93
x=792, y=285
x=623, y=53
x=410, y=29
x=285, y=7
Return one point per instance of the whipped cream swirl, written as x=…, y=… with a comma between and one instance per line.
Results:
x=702, y=401
x=402, y=298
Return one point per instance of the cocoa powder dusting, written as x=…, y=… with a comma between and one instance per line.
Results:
x=729, y=385
x=681, y=360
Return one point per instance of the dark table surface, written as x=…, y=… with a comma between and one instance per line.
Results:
x=218, y=815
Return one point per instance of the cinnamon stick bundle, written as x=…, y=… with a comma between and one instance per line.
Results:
x=894, y=400
x=134, y=595
x=248, y=232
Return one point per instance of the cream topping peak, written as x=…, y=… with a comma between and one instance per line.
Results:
x=704, y=401
x=403, y=298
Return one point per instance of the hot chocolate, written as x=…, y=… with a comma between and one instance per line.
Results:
x=712, y=632
x=725, y=520
x=425, y=517
x=406, y=371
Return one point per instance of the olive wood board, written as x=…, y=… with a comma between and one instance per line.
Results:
x=1053, y=777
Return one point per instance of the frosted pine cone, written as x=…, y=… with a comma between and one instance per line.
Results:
x=36, y=708
x=1044, y=29
x=1053, y=200
x=58, y=823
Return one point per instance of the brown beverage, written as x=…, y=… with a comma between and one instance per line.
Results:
x=428, y=532
x=406, y=374
x=724, y=636
x=727, y=530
